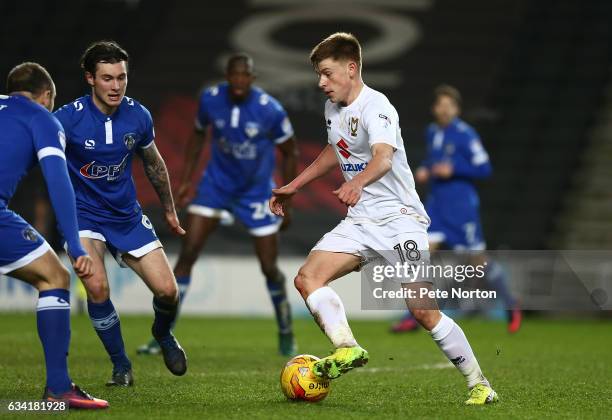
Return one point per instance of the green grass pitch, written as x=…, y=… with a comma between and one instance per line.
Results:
x=551, y=369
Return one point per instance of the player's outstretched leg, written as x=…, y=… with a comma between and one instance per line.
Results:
x=452, y=341
x=328, y=310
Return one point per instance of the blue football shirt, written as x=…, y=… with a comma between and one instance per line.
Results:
x=99, y=152
x=244, y=138
x=460, y=145
x=29, y=133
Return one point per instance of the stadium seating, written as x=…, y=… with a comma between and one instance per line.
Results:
x=532, y=75
x=55, y=33
x=586, y=219
x=551, y=88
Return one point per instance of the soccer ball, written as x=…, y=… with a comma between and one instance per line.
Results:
x=298, y=382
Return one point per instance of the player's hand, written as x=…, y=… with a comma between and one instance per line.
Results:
x=442, y=170
x=182, y=195
x=281, y=199
x=421, y=175
x=173, y=222
x=83, y=266
x=349, y=193
x=287, y=218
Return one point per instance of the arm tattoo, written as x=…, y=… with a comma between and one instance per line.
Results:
x=156, y=171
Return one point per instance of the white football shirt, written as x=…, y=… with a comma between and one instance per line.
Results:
x=352, y=130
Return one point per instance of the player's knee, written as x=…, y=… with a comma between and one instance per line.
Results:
x=168, y=292
x=97, y=289
x=305, y=281
x=63, y=277
x=58, y=277
x=299, y=283
x=428, y=318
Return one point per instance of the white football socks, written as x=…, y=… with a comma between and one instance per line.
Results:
x=452, y=341
x=328, y=311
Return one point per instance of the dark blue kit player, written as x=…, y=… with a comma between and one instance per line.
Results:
x=30, y=135
x=247, y=126
x=103, y=132
x=455, y=159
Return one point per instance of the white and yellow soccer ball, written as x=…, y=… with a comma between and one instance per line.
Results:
x=299, y=382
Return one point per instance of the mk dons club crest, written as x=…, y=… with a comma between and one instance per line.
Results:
x=130, y=140
x=353, y=126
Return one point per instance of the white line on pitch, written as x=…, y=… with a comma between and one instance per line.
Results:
x=426, y=366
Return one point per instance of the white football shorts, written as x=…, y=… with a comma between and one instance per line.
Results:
x=400, y=240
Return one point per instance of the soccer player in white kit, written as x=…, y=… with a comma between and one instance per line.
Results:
x=384, y=211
